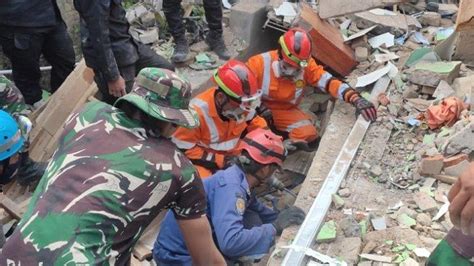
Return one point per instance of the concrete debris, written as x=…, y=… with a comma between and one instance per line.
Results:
x=361, y=54
x=406, y=221
x=430, y=19
x=409, y=262
x=376, y=171
x=333, y=8
x=446, y=71
x=337, y=201
x=458, y=169
x=457, y=142
x=422, y=252
x=425, y=202
x=425, y=78
x=345, y=192
x=350, y=227
x=443, y=90
x=454, y=160
x=378, y=258
x=348, y=249
x=423, y=219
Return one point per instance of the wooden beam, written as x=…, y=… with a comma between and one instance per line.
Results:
x=10, y=207
x=328, y=44
x=334, y=8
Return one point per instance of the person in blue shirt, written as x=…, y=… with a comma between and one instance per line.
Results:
x=243, y=228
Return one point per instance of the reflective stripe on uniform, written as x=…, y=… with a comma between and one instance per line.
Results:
x=225, y=145
x=342, y=88
x=211, y=126
x=298, y=94
x=209, y=156
x=299, y=124
x=181, y=144
x=323, y=81
x=267, y=59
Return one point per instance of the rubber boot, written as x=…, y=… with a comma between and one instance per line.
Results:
x=217, y=44
x=181, y=50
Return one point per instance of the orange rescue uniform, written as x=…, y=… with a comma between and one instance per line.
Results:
x=282, y=95
x=207, y=145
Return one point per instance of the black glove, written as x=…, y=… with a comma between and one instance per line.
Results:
x=266, y=114
x=30, y=171
x=365, y=108
x=287, y=217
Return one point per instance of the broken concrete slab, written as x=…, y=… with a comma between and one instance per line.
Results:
x=378, y=258
x=458, y=169
x=431, y=165
x=447, y=71
x=350, y=226
x=334, y=8
x=457, y=142
x=328, y=44
x=425, y=78
x=443, y=90
x=425, y=202
x=389, y=19
x=346, y=248
x=423, y=219
x=465, y=21
x=464, y=88
x=404, y=220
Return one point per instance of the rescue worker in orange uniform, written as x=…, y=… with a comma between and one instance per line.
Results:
x=226, y=113
x=283, y=74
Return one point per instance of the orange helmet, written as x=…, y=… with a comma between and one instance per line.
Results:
x=240, y=83
x=296, y=47
x=264, y=146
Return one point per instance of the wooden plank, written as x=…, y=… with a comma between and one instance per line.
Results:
x=315, y=217
x=328, y=44
x=333, y=8
x=12, y=208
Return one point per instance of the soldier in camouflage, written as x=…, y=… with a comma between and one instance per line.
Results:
x=17, y=165
x=114, y=170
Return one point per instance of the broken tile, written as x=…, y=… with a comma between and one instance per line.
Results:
x=327, y=232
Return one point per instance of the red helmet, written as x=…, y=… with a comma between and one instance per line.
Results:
x=240, y=83
x=264, y=146
x=296, y=47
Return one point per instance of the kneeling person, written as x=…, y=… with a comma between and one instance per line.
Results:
x=242, y=226
x=114, y=170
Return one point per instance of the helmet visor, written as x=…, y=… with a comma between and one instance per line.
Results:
x=250, y=103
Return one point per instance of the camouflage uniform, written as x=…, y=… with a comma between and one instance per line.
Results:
x=11, y=99
x=106, y=182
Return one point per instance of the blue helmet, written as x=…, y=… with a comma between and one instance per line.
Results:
x=11, y=139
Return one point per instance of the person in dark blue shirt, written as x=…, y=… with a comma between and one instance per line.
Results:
x=243, y=228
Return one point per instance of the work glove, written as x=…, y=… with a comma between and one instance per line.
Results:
x=292, y=215
x=266, y=114
x=365, y=108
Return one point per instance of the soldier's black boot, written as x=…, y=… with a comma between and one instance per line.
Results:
x=181, y=50
x=217, y=44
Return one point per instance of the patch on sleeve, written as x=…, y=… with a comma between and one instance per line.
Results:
x=240, y=205
x=300, y=83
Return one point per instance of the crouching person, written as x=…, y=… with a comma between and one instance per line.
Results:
x=114, y=170
x=242, y=226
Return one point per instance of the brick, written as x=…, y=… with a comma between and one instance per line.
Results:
x=453, y=160
x=431, y=165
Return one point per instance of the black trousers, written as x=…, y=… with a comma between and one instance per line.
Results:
x=146, y=58
x=172, y=10
x=24, y=51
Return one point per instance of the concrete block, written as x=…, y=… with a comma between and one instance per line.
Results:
x=361, y=53
x=430, y=19
x=149, y=36
x=459, y=142
x=443, y=90
x=425, y=202
x=464, y=88
x=431, y=165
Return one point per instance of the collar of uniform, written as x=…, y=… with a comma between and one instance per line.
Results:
x=235, y=175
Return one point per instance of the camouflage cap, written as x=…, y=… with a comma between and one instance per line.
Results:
x=164, y=95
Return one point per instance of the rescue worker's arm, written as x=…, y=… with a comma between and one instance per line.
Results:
x=198, y=237
x=266, y=214
x=227, y=220
x=96, y=15
x=188, y=140
x=255, y=63
x=190, y=212
x=316, y=76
